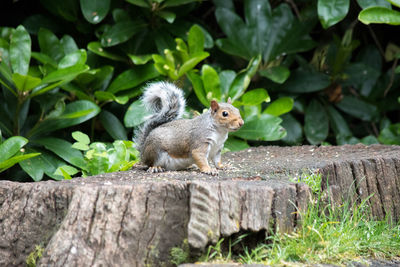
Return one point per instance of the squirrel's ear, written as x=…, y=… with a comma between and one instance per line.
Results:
x=214, y=105
x=229, y=101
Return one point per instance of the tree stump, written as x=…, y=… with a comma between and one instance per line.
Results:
x=134, y=218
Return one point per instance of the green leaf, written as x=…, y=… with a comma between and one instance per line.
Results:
x=369, y=3
x=120, y=14
x=75, y=58
x=96, y=48
x=242, y=80
x=280, y=106
x=81, y=137
x=67, y=74
x=168, y=16
x=20, y=50
x=171, y=3
x=66, y=171
x=192, y=62
x=33, y=23
x=120, y=153
x=33, y=166
x=113, y=126
x=50, y=45
x=338, y=123
x=120, y=32
x=95, y=79
x=278, y=74
x=11, y=146
x=141, y=3
x=5, y=73
x=61, y=171
x=64, y=150
x=271, y=33
x=361, y=76
x=369, y=140
x=211, y=82
x=294, y=130
x=80, y=146
x=264, y=127
x=239, y=33
x=255, y=97
x=95, y=11
x=68, y=44
x=25, y=83
x=133, y=77
x=358, y=108
x=379, y=15
x=98, y=159
x=103, y=96
x=4, y=51
x=44, y=59
x=195, y=40
x=198, y=87
x=331, y=12
x=51, y=164
x=234, y=144
x=395, y=2
x=4, y=165
x=73, y=114
x=140, y=59
x=390, y=135
x=135, y=115
x=160, y=64
x=226, y=78
x=182, y=50
x=302, y=81
x=44, y=88
x=316, y=123
x=68, y=10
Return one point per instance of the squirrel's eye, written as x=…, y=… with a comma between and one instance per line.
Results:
x=225, y=114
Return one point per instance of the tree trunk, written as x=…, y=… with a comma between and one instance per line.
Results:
x=134, y=218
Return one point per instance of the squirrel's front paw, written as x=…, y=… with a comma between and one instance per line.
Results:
x=220, y=166
x=155, y=169
x=210, y=171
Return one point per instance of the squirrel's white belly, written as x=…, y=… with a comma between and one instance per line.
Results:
x=217, y=141
x=172, y=164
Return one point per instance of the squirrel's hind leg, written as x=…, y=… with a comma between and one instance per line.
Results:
x=155, y=169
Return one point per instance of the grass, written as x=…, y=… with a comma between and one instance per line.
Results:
x=328, y=234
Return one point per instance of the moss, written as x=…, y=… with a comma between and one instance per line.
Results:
x=179, y=255
x=34, y=256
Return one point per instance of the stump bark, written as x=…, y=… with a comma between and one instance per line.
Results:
x=134, y=218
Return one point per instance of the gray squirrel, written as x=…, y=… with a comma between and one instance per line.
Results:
x=167, y=142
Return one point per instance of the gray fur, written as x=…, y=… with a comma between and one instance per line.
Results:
x=166, y=102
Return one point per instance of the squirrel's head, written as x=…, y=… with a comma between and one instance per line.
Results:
x=227, y=116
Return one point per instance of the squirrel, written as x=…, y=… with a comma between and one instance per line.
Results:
x=167, y=142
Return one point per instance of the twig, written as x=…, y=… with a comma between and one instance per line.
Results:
x=391, y=77
x=296, y=10
x=376, y=41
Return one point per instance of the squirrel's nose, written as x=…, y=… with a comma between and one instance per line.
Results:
x=241, y=122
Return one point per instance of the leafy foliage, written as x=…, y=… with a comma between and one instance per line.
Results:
x=102, y=158
x=186, y=56
x=11, y=152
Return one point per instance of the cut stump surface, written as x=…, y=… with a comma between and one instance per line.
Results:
x=134, y=218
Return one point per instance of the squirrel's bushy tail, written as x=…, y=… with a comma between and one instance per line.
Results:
x=166, y=102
